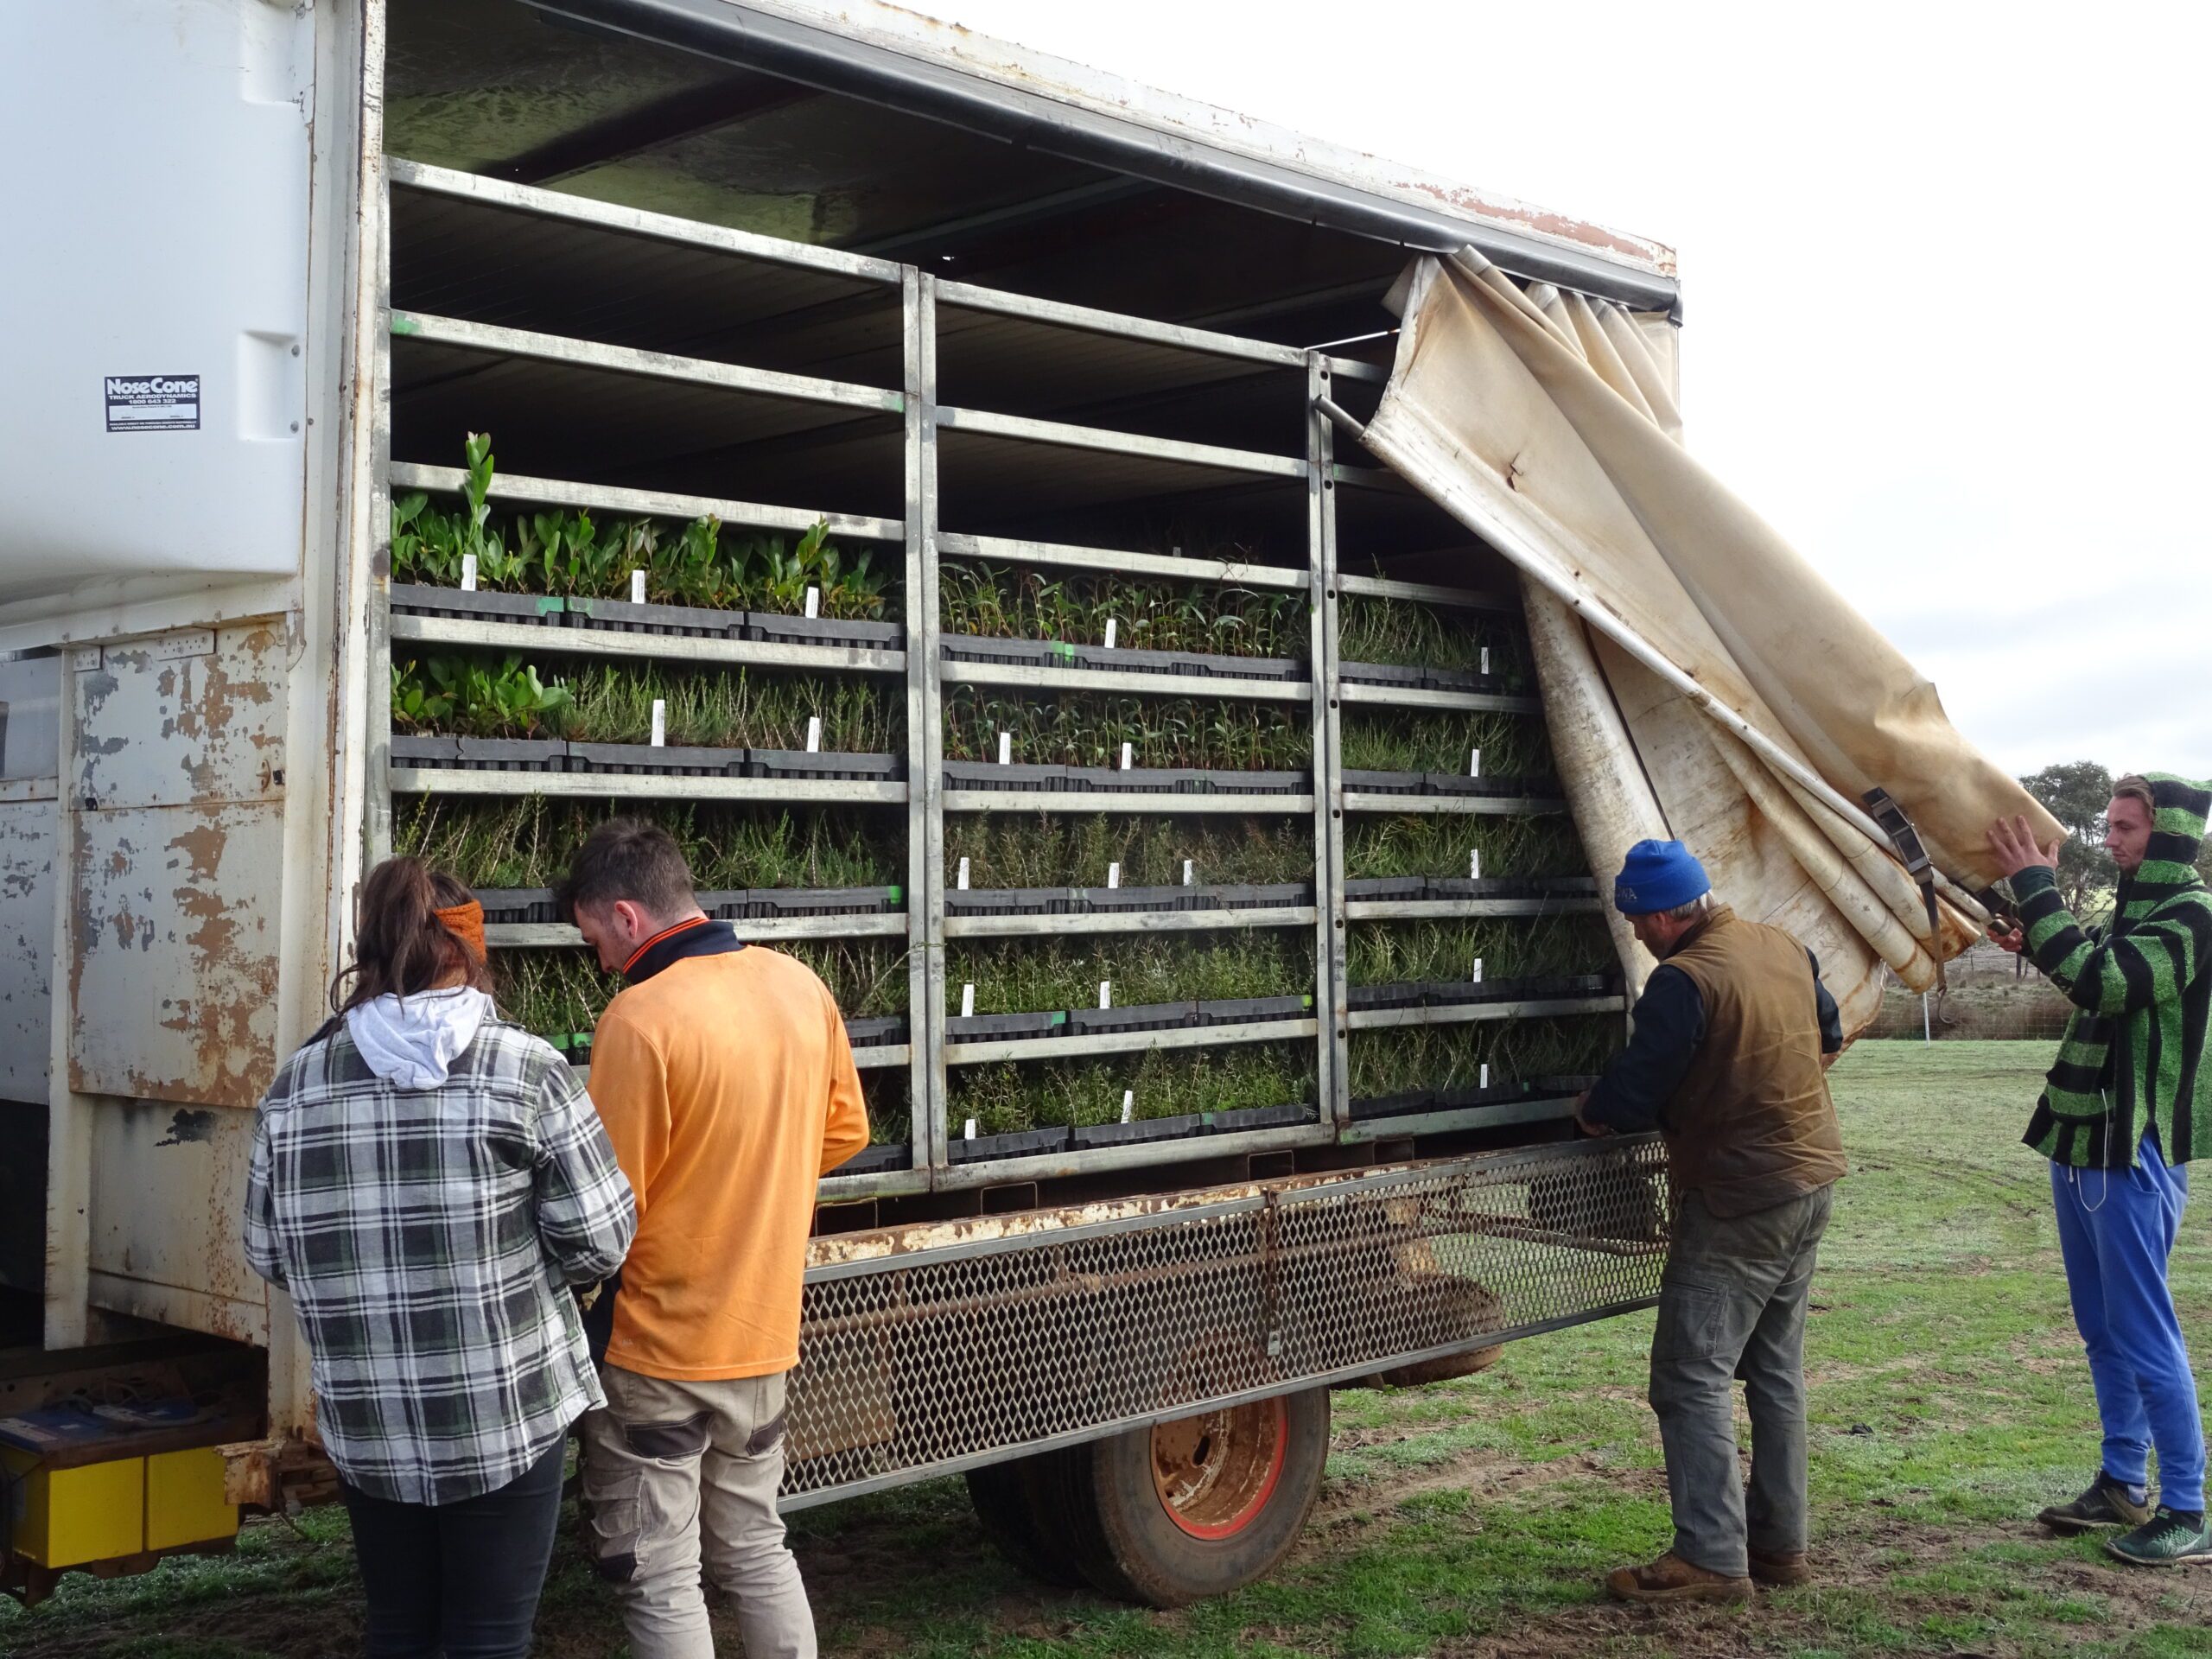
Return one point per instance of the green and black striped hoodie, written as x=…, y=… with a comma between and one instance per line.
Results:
x=2134, y=1055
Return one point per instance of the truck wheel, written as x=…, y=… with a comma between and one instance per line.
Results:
x=1025, y=1531
x=1199, y=1506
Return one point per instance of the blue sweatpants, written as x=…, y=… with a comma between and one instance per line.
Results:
x=2116, y=1229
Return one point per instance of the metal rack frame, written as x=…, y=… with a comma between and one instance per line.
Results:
x=923, y=543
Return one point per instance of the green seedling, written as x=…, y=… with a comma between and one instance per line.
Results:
x=1165, y=1082
x=1040, y=850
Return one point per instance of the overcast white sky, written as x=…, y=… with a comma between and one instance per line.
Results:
x=1942, y=274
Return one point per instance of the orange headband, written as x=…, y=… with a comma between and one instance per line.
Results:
x=466, y=923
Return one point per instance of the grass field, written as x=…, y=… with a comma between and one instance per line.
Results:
x=1949, y=1402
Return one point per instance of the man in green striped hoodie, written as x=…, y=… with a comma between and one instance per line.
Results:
x=2125, y=1107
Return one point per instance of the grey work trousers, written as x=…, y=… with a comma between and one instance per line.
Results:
x=666, y=1461
x=1731, y=1303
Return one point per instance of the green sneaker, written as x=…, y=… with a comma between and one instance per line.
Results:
x=2167, y=1539
x=2105, y=1504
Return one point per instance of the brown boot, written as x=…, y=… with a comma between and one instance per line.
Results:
x=1672, y=1579
x=1780, y=1569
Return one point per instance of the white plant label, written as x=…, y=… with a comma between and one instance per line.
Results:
x=1474, y=863
x=468, y=573
x=660, y=724
x=1189, y=874
x=1105, y=993
x=1113, y=876
x=1484, y=1083
x=1127, y=750
x=1006, y=748
x=1485, y=667
x=1478, y=970
x=637, y=587
x=1128, y=1104
x=971, y=1129
x=814, y=734
x=813, y=602
x=967, y=1001
x=1110, y=645
x=1475, y=763
x=963, y=875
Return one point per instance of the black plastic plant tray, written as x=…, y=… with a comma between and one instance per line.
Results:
x=1026, y=1143
x=1264, y=895
x=1499, y=1094
x=437, y=753
x=1418, y=1100
x=1510, y=886
x=1245, y=1010
x=1109, y=901
x=765, y=904
x=1244, y=783
x=1016, y=776
x=512, y=755
x=976, y=1028
x=1023, y=653
x=1461, y=679
x=1453, y=993
x=573, y=1046
x=1449, y=783
x=1377, y=889
x=1188, y=663
x=797, y=763
x=1006, y=901
x=506, y=905
x=1138, y=1016
x=1137, y=1132
x=1556, y=1087
x=877, y=1161
x=877, y=1030
x=1246, y=1118
x=1402, y=994
x=1382, y=783
x=667, y=761
x=690, y=621
x=725, y=904
x=421, y=599
x=1380, y=674
x=773, y=629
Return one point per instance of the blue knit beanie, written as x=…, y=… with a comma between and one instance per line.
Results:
x=1659, y=876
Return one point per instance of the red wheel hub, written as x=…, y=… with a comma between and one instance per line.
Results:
x=1216, y=1471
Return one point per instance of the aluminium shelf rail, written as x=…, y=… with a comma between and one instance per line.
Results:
x=919, y=663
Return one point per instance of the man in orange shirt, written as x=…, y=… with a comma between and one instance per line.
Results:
x=727, y=1086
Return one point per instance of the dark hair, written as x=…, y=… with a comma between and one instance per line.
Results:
x=625, y=858
x=399, y=946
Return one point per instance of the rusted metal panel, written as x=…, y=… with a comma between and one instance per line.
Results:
x=167, y=1191
x=26, y=899
x=189, y=717
x=173, y=993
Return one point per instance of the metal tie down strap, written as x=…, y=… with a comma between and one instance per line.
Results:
x=984, y=1336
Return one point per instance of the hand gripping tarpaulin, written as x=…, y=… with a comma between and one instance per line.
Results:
x=1701, y=680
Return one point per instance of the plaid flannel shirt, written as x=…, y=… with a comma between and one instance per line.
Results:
x=426, y=1238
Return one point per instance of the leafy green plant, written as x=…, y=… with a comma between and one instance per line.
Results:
x=477, y=698
x=1090, y=731
x=1047, y=975
x=998, y=601
x=866, y=977
x=1165, y=1082
x=1407, y=633
x=1379, y=844
x=1041, y=851
x=1381, y=953
x=715, y=708
x=555, y=994
x=1403, y=1059
x=1511, y=745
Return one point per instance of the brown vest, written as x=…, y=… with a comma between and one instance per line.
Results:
x=1751, y=1124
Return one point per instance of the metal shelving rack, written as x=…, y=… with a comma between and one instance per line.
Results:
x=766, y=399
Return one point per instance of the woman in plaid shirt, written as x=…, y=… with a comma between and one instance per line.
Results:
x=427, y=1181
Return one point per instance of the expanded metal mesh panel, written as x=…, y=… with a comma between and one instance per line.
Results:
x=924, y=1361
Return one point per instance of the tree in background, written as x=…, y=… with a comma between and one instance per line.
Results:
x=2076, y=794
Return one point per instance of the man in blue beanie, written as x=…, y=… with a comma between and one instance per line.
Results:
x=1733, y=1036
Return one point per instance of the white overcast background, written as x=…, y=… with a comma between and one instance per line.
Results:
x=1946, y=325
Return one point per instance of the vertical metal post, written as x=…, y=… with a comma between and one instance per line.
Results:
x=1328, y=773
x=69, y=1114
x=377, y=758
x=924, y=731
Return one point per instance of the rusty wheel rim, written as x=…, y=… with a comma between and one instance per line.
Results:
x=1216, y=1471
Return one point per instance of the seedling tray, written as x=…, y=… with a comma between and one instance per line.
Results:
x=1143, y=1129
x=1389, y=887
x=1245, y=1118
x=983, y=774
x=511, y=754
x=989, y=1149
x=1555, y=886
x=1180, y=780
x=575, y=1047
x=976, y=1027
x=876, y=1161
x=1139, y=1016
x=1418, y=1100
x=1109, y=901
x=1460, y=679
x=1022, y=653
x=664, y=762
x=1244, y=1010
x=691, y=621
x=822, y=630
x=421, y=599
x=1555, y=1087
x=1261, y=896
x=1402, y=994
x=1190, y=663
x=1006, y=901
x=725, y=904
x=506, y=905
x=1449, y=783
x=1382, y=783
x=797, y=763
x=436, y=753
x=1380, y=674
x=1499, y=1094
x=877, y=1030
x=777, y=904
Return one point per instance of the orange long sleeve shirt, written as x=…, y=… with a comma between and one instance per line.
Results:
x=728, y=1089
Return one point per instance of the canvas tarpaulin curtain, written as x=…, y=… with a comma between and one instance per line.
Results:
x=1701, y=680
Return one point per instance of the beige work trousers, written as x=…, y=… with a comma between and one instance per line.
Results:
x=679, y=1474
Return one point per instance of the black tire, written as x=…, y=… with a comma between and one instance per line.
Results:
x=1255, y=1485
x=1006, y=1497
